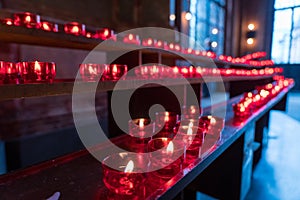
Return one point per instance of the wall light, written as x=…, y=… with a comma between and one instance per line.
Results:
x=250, y=34
x=214, y=31
x=188, y=16
x=172, y=17
x=214, y=44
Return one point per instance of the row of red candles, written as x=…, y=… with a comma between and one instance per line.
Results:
x=156, y=71
x=31, y=20
x=95, y=72
x=262, y=95
x=27, y=72
x=174, y=147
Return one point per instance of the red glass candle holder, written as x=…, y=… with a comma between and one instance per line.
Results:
x=168, y=161
x=123, y=173
x=104, y=34
x=132, y=39
x=7, y=21
x=158, y=43
x=27, y=19
x=141, y=131
x=193, y=138
x=214, y=124
x=9, y=73
x=164, y=123
x=92, y=72
x=48, y=26
x=75, y=28
x=115, y=71
x=33, y=72
x=149, y=42
x=190, y=112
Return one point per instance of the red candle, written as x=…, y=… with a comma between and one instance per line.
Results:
x=123, y=174
x=27, y=19
x=192, y=137
x=92, y=72
x=36, y=71
x=164, y=123
x=132, y=39
x=148, y=42
x=104, y=34
x=7, y=21
x=74, y=28
x=168, y=161
x=115, y=71
x=158, y=44
x=48, y=26
x=9, y=72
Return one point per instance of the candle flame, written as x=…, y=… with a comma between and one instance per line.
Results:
x=75, y=29
x=115, y=69
x=106, y=32
x=46, y=27
x=190, y=131
x=213, y=120
x=130, y=37
x=37, y=67
x=141, y=123
x=166, y=119
x=191, y=124
x=92, y=70
x=28, y=18
x=129, y=167
x=193, y=109
x=170, y=147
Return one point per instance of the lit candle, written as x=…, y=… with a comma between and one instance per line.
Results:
x=148, y=42
x=132, y=39
x=166, y=156
x=192, y=137
x=48, y=26
x=37, y=71
x=122, y=174
x=8, y=73
x=75, y=28
x=115, y=71
x=105, y=33
x=7, y=21
x=27, y=19
x=91, y=71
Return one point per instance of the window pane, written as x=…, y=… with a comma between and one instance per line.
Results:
x=213, y=13
x=286, y=3
x=281, y=36
x=221, y=13
x=201, y=9
x=295, y=50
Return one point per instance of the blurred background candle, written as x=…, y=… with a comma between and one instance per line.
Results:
x=9, y=73
x=123, y=173
x=92, y=71
x=132, y=39
x=27, y=19
x=115, y=71
x=104, y=33
x=7, y=21
x=74, y=28
x=36, y=71
x=48, y=26
x=148, y=42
